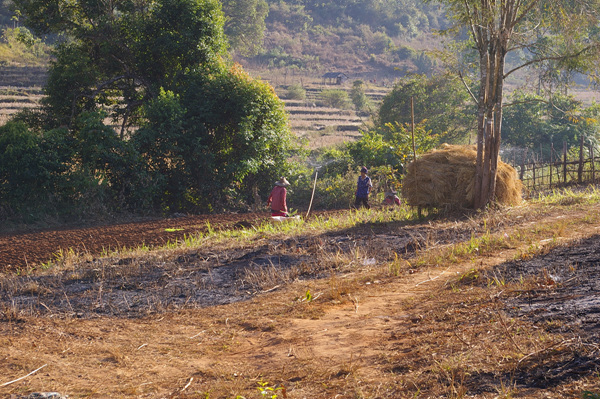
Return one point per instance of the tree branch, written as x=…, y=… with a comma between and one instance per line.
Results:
x=556, y=58
x=460, y=75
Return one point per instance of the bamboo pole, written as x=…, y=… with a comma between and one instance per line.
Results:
x=580, y=169
x=313, y=193
x=412, y=133
x=551, y=162
x=593, y=163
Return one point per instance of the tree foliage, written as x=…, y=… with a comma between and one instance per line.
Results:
x=245, y=24
x=556, y=35
x=207, y=135
x=440, y=103
x=213, y=142
x=531, y=121
x=118, y=54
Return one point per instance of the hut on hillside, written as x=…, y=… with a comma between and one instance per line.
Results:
x=336, y=78
x=445, y=178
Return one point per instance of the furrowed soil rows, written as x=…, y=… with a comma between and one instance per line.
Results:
x=27, y=249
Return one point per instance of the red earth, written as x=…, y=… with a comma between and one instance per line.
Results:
x=22, y=250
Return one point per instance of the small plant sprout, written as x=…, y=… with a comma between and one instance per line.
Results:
x=268, y=392
x=308, y=296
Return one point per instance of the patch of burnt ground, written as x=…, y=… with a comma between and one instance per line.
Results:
x=135, y=287
x=565, y=299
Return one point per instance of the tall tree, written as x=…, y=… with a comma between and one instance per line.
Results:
x=558, y=33
x=118, y=54
x=245, y=24
x=440, y=103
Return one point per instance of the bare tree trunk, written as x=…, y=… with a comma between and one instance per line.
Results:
x=492, y=43
x=478, y=200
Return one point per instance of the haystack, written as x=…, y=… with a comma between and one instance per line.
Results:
x=446, y=178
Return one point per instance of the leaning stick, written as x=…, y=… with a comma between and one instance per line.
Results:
x=187, y=385
x=313, y=193
x=25, y=376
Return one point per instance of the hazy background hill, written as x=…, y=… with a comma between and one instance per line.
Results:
x=367, y=38
x=291, y=42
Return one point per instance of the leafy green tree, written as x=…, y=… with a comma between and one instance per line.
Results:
x=531, y=121
x=118, y=54
x=440, y=103
x=245, y=24
x=525, y=121
x=222, y=138
x=209, y=135
x=562, y=35
x=359, y=98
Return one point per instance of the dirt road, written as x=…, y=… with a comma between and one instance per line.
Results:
x=346, y=314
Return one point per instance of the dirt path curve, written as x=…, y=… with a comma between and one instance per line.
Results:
x=366, y=344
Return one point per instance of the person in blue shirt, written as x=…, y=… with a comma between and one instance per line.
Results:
x=363, y=189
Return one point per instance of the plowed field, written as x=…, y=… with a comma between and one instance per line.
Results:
x=26, y=249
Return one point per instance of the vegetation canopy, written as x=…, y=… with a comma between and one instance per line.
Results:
x=143, y=112
x=551, y=35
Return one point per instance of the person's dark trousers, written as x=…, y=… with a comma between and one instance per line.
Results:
x=362, y=201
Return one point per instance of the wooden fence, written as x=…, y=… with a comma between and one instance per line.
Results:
x=560, y=170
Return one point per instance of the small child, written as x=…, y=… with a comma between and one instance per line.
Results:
x=391, y=198
x=363, y=188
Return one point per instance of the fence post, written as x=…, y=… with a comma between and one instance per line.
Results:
x=551, y=163
x=565, y=163
x=593, y=163
x=533, y=171
x=580, y=169
x=523, y=165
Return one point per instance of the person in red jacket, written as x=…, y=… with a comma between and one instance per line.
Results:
x=277, y=199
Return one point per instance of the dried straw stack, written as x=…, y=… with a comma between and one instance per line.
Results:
x=445, y=178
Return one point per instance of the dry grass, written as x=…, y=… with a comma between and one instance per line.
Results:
x=445, y=178
x=426, y=325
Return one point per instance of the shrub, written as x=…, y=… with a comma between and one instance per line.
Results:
x=222, y=139
x=359, y=98
x=296, y=92
x=335, y=98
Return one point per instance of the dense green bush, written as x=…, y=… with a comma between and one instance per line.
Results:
x=223, y=138
x=334, y=98
x=296, y=92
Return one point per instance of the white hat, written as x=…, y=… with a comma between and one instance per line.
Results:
x=282, y=182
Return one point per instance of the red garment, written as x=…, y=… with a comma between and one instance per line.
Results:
x=277, y=199
x=392, y=200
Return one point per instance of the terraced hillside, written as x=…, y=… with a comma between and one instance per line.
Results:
x=324, y=126
x=21, y=87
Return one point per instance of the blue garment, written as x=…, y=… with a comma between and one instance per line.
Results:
x=363, y=187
